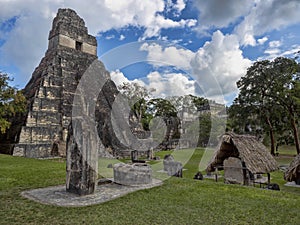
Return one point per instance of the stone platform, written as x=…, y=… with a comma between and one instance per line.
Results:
x=292, y=184
x=58, y=195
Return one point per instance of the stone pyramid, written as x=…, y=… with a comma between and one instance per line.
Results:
x=51, y=89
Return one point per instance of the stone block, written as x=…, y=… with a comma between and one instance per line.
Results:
x=19, y=151
x=33, y=150
x=172, y=167
x=233, y=171
x=132, y=174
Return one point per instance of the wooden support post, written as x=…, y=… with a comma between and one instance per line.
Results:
x=269, y=178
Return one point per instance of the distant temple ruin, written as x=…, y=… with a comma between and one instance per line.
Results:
x=51, y=89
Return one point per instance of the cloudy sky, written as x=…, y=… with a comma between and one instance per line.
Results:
x=175, y=46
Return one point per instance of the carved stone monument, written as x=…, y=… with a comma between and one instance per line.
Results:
x=234, y=171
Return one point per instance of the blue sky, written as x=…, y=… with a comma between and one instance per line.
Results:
x=175, y=46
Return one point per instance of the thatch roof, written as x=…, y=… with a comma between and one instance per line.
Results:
x=247, y=148
x=293, y=172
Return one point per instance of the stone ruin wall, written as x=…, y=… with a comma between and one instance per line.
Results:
x=51, y=88
x=66, y=41
x=43, y=130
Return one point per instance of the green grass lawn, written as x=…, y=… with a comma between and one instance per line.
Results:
x=177, y=201
x=289, y=150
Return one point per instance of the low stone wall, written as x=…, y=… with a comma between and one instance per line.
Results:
x=33, y=150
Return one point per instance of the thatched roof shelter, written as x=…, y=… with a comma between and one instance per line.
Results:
x=293, y=172
x=248, y=149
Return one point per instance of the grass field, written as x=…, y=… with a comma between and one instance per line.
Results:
x=177, y=201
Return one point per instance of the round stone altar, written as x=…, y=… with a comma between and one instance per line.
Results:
x=132, y=174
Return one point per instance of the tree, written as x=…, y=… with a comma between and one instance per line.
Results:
x=295, y=92
x=202, y=106
x=12, y=102
x=267, y=92
x=159, y=107
x=283, y=92
x=251, y=115
x=137, y=96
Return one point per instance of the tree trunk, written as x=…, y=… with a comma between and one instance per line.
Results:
x=296, y=136
x=272, y=142
x=271, y=136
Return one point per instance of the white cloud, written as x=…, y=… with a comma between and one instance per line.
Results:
x=220, y=58
x=110, y=37
x=276, y=49
x=105, y=15
x=274, y=44
x=122, y=37
x=119, y=78
x=294, y=51
x=215, y=13
x=170, y=84
x=273, y=51
x=169, y=55
x=179, y=6
x=176, y=7
x=219, y=64
x=261, y=41
x=164, y=84
x=216, y=66
x=267, y=16
x=26, y=43
x=153, y=29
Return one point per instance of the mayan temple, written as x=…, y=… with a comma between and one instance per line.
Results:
x=51, y=88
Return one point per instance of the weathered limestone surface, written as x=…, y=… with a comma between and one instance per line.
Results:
x=233, y=171
x=82, y=160
x=51, y=89
x=106, y=132
x=172, y=167
x=132, y=174
x=42, y=131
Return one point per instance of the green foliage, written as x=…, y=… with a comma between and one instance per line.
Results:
x=137, y=97
x=267, y=98
x=204, y=128
x=162, y=107
x=295, y=93
x=11, y=102
x=200, y=103
x=133, y=92
x=194, y=111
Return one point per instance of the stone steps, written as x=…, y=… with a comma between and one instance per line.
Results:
x=38, y=134
x=33, y=150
